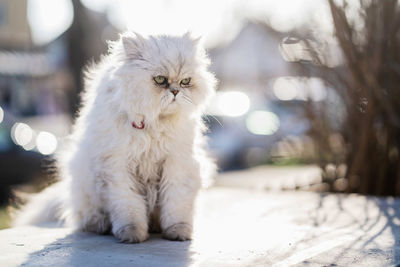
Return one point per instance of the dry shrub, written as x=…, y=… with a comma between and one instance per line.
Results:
x=361, y=150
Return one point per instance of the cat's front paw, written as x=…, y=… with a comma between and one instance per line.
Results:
x=130, y=234
x=178, y=232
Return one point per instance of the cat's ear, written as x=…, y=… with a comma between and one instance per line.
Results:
x=133, y=44
x=196, y=40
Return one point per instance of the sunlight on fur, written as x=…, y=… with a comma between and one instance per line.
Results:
x=135, y=160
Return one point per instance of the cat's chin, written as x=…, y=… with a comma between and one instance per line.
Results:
x=172, y=108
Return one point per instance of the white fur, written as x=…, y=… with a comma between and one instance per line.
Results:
x=126, y=178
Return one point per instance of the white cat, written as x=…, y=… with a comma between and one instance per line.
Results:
x=136, y=161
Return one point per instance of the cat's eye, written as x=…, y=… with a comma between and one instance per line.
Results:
x=160, y=79
x=185, y=81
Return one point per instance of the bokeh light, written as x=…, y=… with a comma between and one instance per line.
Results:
x=48, y=19
x=262, y=122
x=233, y=104
x=299, y=88
x=285, y=89
x=316, y=89
x=21, y=134
x=46, y=143
x=1, y=114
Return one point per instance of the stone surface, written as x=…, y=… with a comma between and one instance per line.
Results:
x=235, y=227
x=272, y=178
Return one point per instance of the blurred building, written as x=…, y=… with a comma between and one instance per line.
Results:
x=34, y=85
x=251, y=59
x=14, y=27
x=251, y=115
x=39, y=86
x=40, y=83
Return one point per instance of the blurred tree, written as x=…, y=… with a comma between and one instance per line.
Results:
x=367, y=84
x=76, y=44
x=86, y=41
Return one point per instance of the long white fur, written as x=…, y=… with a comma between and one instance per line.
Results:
x=114, y=175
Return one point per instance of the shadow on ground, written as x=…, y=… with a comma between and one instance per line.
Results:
x=87, y=249
x=236, y=227
x=368, y=230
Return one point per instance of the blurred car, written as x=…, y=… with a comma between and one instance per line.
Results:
x=23, y=153
x=245, y=127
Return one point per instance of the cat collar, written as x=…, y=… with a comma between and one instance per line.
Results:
x=141, y=126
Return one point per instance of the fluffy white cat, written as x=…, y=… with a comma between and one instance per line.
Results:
x=136, y=161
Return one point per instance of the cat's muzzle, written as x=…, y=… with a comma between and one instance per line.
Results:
x=174, y=91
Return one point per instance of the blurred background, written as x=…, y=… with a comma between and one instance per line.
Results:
x=301, y=83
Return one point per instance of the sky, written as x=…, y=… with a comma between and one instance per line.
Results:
x=216, y=21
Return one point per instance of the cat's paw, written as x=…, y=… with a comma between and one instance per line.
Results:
x=178, y=232
x=130, y=234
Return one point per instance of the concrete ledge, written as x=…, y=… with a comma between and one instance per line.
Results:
x=235, y=227
x=272, y=178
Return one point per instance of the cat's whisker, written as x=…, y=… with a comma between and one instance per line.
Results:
x=164, y=101
x=187, y=99
x=215, y=118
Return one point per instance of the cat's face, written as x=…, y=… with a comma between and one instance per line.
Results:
x=164, y=75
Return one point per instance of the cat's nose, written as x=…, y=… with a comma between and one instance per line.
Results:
x=174, y=91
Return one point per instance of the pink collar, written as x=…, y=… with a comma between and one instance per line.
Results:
x=140, y=127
